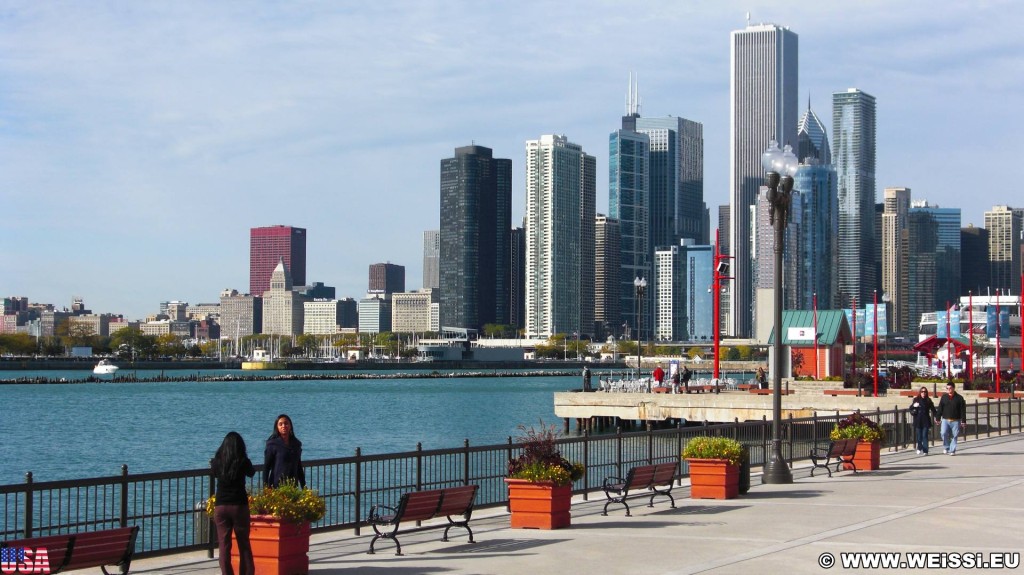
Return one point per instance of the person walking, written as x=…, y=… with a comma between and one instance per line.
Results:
x=282, y=457
x=922, y=409
x=659, y=376
x=952, y=413
x=231, y=465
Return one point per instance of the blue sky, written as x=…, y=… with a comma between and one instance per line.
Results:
x=139, y=141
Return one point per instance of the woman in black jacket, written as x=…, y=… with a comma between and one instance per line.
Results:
x=231, y=466
x=282, y=458
x=923, y=411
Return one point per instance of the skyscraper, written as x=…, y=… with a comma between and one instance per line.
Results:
x=812, y=138
x=684, y=308
x=431, y=259
x=517, y=279
x=1005, y=227
x=763, y=107
x=476, y=219
x=282, y=307
x=676, y=180
x=607, y=277
x=267, y=246
x=975, y=270
x=933, y=257
x=629, y=203
x=894, y=255
x=853, y=140
x=816, y=215
x=560, y=212
x=387, y=278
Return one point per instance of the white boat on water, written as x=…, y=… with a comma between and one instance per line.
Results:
x=104, y=367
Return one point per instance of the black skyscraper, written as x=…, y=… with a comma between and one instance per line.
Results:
x=476, y=217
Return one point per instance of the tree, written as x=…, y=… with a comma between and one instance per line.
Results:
x=170, y=344
x=308, y=344
x=694, y=351
x=131, y=343
x=17, y=343
x=744, y=352
x=76, y=334
x=732, y=354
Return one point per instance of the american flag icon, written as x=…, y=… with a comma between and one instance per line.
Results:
x=10, y=557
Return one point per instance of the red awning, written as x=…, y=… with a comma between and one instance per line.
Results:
x=933, y=343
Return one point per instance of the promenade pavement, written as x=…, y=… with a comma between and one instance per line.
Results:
x=969, y=504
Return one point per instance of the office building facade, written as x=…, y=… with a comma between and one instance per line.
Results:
x=763, y=107
x=1005, y=227
x=895, y=215
x=853, y=142
x=431, y=259
x=476, y=216
x=387, y=278
x=269, y=245
x=607, y=277
x=560, y=211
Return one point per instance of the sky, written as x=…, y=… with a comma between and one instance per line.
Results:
x=140, y=141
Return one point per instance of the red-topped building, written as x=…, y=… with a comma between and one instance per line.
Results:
x=266, y=248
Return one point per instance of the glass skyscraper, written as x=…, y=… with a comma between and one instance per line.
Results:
x=816, y=216
x=933, y=270
x=629, y=204
x=853, y=141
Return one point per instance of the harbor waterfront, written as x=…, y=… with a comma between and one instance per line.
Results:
x=91, y=429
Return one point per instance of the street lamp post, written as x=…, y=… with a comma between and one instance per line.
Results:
x=639, y=284
x=816, y=361
x=721, y=272
x=780, y=166
x=970, y=336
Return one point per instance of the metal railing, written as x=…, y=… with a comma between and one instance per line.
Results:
x=169, y=507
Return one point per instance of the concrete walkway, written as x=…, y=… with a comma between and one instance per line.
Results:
x=972, y=503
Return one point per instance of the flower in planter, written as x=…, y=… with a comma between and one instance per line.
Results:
x=705, y=447
x=856, y=426
x=287, y=502
x=541, y=460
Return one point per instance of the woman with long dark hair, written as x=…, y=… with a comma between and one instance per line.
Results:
x=282, y=458
x=231, y=466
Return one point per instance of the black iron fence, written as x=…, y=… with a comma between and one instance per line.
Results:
x=169, y=507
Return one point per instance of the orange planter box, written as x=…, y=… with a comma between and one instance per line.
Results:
x=539, y=505
x=713, y=479
x=868, y=455
x=278, y=547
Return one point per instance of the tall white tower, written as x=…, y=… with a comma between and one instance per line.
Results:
x=763, y=107
x=560, y=213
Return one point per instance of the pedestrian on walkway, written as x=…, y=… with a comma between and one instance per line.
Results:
x=952, y=414
x=282, y=457
x=922, y=409
x=659, y=376
x=231, y=465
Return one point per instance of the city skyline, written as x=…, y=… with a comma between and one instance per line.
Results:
x=138, y=146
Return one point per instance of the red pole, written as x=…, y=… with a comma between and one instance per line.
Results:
x=816, y=337
x=875, y=308
x=999, y=376
x=970, y=336
x=717, y=286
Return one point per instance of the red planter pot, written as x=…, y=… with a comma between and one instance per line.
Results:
x=713, y=479
x=278, y=547
x=868, y=455
x=539, y=505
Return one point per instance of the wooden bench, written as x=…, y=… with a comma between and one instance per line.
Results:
x=835, y=392
x=839, y=451
x=638, y=482
x=746, y=386
x=86, y=549
x=420, y=506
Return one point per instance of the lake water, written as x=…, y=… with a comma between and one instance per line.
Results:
x=91, y=429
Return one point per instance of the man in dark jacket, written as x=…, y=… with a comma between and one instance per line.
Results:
x=952, y=413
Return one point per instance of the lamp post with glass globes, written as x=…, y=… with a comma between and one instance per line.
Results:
x=780, y=166
x=640, y=284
